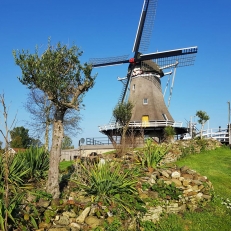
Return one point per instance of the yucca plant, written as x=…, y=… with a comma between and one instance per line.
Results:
x=10, y=209
x=151, y=154
x=36, y=160
x=17, y=171
x=111, y=184
x=10, y=203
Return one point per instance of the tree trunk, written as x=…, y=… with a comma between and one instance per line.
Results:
x=48, y=122
x=47, y=136
x=123, y=140
x=202, y=127
x=55, y=153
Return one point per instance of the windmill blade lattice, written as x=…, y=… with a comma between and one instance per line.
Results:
x=145, y=28
x=183, y=56
x=109, y=61
x=186, y=60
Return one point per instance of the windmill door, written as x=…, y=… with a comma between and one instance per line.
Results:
x=145, y=121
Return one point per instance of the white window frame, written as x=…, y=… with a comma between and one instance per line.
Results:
x=145, y=101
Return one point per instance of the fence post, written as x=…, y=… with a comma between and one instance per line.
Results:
x=229, y=123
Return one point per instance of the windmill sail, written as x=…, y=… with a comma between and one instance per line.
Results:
x=145, y=26
x=109, y=61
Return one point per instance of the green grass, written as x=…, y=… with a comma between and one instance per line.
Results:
x=216, y=165
x=64, y=165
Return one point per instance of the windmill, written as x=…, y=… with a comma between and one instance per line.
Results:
x=142, y=84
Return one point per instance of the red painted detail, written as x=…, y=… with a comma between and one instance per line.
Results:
x=131, y=60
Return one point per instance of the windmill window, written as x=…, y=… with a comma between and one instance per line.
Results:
x=134, y=87
x=165, y=117
x=145, y=101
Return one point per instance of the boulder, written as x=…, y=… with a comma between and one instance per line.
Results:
x=93, y=221
x=81, y=218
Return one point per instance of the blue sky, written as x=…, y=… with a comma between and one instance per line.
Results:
x=107, y=28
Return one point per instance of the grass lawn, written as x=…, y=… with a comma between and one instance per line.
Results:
x=215, y=216
x=64, y=165
x=216, y=165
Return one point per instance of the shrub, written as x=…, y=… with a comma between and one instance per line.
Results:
x=112, y=186
x=17, y=171
x=166, y=191
x=147, y=225
x=151, y=154
x=36, y=160
x=169, y=133
x=11, y=194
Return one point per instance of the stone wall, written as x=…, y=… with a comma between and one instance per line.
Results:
x=182, y=148
x=196, y=190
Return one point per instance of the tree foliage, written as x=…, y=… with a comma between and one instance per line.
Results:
x=169, y=133
x=123, y=112
x=20, y=137
x=67, y=143
x=36, y=143
x=203, y=118
x=57, y=72
x=60, y=75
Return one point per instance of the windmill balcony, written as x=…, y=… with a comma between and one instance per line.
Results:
x=136, y=124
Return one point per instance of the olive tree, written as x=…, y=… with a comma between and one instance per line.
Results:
x=203, y=118
x=169, y=133
x=123, y=113
x=60, y=75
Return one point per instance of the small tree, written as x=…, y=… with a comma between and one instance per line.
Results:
x=60, y=75
x=203, y=118
x=123, y=113
x=169, y=133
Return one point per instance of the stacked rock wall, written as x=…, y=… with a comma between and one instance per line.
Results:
x=196, y=190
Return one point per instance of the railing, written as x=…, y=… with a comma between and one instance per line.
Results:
x=216, y=133
x=141, y=124
x=98, y=141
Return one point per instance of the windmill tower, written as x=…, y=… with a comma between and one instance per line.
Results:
x=142, y=84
